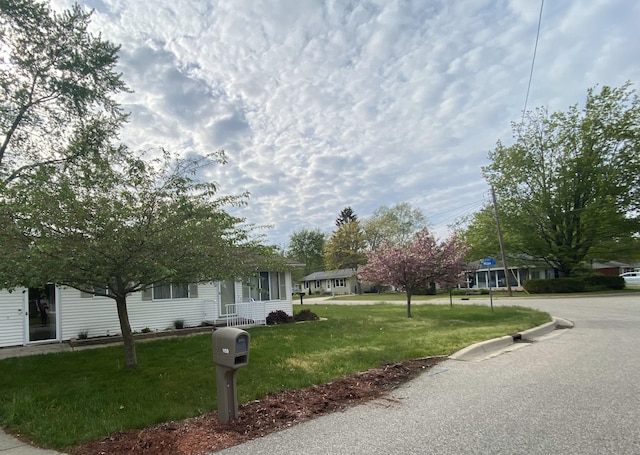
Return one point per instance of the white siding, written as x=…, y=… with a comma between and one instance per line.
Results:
x=12, y=318
x=98, y=316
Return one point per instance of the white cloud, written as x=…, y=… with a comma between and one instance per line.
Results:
x=321, y=105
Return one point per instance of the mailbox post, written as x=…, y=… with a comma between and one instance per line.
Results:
x=230, y=352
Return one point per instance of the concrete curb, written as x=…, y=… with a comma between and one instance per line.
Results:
x=484, y=349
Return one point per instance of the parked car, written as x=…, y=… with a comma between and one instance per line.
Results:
x=631, y=278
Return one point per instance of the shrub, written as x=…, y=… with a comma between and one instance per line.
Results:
x=146, y=330
x=278, y=317
x=603, y=282
x=583, y=283
x=305, y=315
x=554, y=286
x=178, y=323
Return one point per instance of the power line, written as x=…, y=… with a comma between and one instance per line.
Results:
x=533, y=61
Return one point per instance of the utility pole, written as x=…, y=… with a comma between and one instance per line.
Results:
x=504, y=257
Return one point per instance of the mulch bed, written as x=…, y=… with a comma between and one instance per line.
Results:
x=199, y=435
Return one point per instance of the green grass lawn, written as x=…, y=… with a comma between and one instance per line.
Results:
x=59, y=400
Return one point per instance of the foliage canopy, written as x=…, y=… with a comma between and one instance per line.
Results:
x=569, y=185
x=56, y=81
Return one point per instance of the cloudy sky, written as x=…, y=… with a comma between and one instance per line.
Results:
x=323, y=104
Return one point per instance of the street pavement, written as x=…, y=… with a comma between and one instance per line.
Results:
x=573, y=391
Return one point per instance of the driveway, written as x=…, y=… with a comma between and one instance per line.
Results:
x=574, y=391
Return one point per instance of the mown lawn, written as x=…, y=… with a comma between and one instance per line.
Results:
x=59, y=400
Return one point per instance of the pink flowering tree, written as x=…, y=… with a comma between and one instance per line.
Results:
x=453, y=265
x=413, y=266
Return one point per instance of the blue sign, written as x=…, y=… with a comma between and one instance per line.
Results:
x=488, y=262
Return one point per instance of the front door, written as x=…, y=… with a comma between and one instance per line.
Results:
x=42, y=313
x=227, y=298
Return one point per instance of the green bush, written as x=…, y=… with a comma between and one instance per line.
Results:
x=278, y=317
x=305, y=315
x=603, y=282
x=585, y=283
x=178, y=324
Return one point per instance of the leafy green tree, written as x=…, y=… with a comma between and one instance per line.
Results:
x=568, y=188
x=395, y=225
x=56, y=80
x=117, y=228
x=307, y=246
x=345, y=248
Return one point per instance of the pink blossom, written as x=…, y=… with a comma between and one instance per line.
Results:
x=417, y=265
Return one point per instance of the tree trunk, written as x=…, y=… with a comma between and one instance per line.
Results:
x=450, y=297
x=127, y=335
x=408, y=304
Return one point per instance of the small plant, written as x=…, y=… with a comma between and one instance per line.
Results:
x=278, y=317
x=83, y=335
x=178, y=323
x=305, y=315
x=146, y=330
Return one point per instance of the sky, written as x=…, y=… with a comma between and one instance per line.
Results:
x=324, y=104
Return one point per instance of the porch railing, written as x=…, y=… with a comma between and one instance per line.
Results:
x=246, y=314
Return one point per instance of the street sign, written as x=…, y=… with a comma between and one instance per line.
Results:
x=488, y=262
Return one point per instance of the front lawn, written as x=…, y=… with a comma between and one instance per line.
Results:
x=59, y=400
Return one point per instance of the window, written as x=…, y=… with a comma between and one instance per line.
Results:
x=265, y=286
x=338, y=282
x=170, y=291
x=100, y=292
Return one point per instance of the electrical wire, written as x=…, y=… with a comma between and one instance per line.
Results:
x=533, y=61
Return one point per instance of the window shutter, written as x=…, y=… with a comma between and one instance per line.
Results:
x=147, y=294
x=193, y=291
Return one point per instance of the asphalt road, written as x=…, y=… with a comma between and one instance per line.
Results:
x=575, y=391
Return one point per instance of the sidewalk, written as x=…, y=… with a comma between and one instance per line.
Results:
x=22, y=351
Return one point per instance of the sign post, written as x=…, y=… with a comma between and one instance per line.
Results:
x=488, y=262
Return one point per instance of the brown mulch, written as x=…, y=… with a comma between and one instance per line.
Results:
x=275, y=412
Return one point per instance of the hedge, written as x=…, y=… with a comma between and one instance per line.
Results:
x=586, y=283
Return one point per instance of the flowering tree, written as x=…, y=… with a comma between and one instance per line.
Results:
x=415, y=265
x=453, y=264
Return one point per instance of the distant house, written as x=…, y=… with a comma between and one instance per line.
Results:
x=484, y=277
x=614, y=268
x=58, y=313
x=335, y=282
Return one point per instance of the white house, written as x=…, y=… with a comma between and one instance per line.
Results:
x=336, y=282
x=58, y=313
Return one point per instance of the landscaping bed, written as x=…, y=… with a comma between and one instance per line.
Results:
x=205, y=434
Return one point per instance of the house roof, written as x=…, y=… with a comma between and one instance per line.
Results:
x=609, y=265
x=330, y=275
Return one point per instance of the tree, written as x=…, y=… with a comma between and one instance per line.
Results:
x=395, y=225
x=414, y=266
x=344, y=250
x=347, y=215
x=479, y=232
x=454, y=264
x=307, y=246
x=113, y=229
x=56, y=80
x=569, y=187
